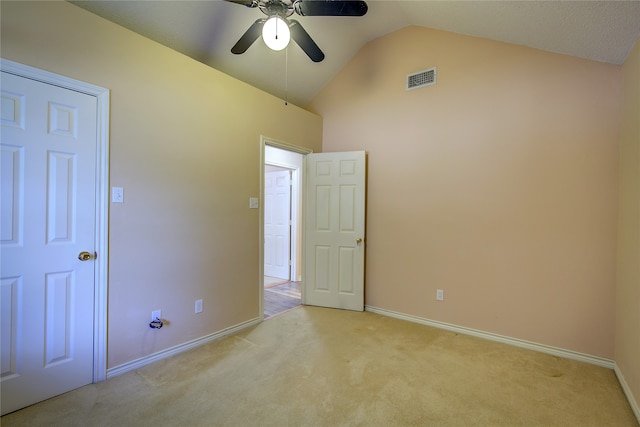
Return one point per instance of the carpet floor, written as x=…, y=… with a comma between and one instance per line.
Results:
x=321, y=367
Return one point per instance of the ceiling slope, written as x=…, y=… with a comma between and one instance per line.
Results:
x=206, y=30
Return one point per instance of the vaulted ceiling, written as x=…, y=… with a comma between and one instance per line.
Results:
x=207, y=29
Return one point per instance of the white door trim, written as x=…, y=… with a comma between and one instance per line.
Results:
x=264, y=140
x=102, y=200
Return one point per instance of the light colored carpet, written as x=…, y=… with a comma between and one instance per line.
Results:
x=323, y=367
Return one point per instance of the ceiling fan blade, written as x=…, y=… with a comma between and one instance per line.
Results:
x=247, y=39
x=304, y=40
x=330, y=8
x=248, y=3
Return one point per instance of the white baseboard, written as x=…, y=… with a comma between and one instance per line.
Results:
x=627, y=391
x=568, y=354
x=143, y=361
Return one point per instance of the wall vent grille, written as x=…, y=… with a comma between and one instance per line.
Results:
x=421, y=79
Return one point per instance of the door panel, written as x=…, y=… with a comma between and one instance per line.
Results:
x=48, y=160
x=334, y=230
x=277, y=224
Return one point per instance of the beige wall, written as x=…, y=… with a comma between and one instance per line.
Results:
x=497, y=185
x=185, y=147
x=627, y=347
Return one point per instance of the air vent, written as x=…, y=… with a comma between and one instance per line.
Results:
x=421, y=79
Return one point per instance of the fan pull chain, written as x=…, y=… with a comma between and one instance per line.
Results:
x=286, y=76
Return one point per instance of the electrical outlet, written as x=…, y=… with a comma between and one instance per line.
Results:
x=198, y=306
x=156, y=314
x=439, y=295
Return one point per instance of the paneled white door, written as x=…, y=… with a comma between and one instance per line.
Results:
x=277, y=224
x=48, y=208
x=334, y=230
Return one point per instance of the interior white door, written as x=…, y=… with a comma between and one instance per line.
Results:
x=48, y=208
x=277, y=224
x=334, y=230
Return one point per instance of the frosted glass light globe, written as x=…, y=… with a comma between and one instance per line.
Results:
x=275, y=33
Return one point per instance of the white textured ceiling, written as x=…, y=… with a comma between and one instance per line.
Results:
x=207, y=29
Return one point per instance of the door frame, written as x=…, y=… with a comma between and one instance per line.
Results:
x=264, y=141
x=101, y=227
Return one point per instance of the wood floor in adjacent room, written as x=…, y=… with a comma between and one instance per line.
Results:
x=280, y=296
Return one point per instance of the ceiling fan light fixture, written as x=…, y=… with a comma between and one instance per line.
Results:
x=275, y=33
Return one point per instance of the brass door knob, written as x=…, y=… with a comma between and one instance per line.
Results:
x=86, y=256
x=359, y=240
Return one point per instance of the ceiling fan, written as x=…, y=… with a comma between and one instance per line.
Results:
x=277, y=29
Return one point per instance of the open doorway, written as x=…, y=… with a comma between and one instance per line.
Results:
x=282, y=172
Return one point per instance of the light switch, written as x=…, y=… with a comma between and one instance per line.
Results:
x=117, y=195
x=253, y=203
